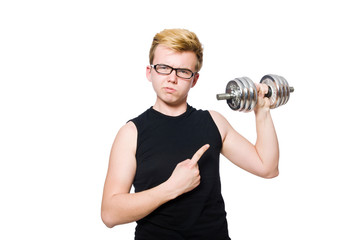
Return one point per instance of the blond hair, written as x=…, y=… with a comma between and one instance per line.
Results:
x=179, y=40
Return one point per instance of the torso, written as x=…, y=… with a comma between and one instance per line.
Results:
x=163, y=142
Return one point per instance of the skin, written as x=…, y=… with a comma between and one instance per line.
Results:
x=119, y=206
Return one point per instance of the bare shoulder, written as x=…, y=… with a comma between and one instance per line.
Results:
x=124, y=147
x=122, y=161
x=128, y=129
x=215, y=114
x=222, y=124
x=127, y=134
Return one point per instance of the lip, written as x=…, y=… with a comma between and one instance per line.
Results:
x=169, y=90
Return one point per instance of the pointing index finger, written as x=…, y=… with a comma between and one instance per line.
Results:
x=196, y=157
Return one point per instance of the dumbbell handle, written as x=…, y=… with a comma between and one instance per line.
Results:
x=227, y=96
x=269, y=93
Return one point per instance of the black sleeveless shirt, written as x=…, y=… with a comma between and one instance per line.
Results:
x=164, y=141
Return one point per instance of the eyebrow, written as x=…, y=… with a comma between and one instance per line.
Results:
x=183, y=68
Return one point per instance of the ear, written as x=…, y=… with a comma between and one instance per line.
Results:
x=196, y=77
x=148, y=73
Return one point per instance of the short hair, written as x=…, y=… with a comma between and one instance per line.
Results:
x=179, y=40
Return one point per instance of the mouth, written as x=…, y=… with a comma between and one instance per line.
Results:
x=169, y=90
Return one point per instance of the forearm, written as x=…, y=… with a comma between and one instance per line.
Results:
x=266, y=144
x=128, y=207
x=125, y=207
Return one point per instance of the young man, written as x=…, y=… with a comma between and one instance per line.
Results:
x=170, y=153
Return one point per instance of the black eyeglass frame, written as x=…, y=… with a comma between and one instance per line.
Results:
x=176, y=69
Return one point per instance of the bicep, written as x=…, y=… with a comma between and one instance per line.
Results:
x=122, y=162
x=242, y=153
x=236, y=148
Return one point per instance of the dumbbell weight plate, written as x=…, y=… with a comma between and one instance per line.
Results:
x=280, y=89
x=250, y=94
x=253, y=95
x=284, y=88
x=287, y=89
x=233, y=87
x=244, y=94
x=283, y=91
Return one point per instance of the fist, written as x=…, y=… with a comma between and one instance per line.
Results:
x=263, y=102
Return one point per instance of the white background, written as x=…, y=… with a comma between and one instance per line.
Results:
x=73, y=72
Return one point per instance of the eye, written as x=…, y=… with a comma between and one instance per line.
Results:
x=163, y=67
x=184, y=71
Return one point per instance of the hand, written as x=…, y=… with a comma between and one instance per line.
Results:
x=186, y=175
x=263, y=102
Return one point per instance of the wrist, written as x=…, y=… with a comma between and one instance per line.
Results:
x=169, y=191
x=262, y=113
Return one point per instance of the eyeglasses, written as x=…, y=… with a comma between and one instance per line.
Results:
x=167, y=70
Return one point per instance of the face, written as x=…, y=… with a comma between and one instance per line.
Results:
x=171, y=89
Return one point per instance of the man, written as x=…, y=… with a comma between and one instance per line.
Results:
x=170, y=153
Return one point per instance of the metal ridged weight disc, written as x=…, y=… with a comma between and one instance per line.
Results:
x=233, y=88
x=250, y=94
x=280, y=89
x=244, y=94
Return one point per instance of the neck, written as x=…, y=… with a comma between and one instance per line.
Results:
x=170, y=110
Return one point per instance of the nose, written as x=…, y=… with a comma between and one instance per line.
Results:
x=172, y=77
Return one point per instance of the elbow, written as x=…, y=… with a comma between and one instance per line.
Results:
x=270, y=170
x=107, y=219
x=111, y=220
x=271, y=174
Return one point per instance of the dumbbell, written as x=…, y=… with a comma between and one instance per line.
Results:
x=241, y=94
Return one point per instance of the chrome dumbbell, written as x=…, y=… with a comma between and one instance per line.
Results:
x=241, y=94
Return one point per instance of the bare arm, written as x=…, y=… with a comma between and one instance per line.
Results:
x=119, y=205
x=261, y=159
x=266, y=145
